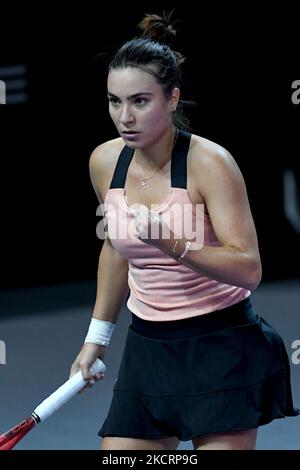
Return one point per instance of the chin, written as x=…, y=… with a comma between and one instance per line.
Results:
x=131, y=145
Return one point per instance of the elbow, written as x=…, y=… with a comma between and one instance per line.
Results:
x=254, y=277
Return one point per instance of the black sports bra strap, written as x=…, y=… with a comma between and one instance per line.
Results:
x=179, y=156
x=119, y=177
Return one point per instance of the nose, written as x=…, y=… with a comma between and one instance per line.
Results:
x=126, y=115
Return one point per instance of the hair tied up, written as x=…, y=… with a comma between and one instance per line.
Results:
x=158, y=28
x=161, y=29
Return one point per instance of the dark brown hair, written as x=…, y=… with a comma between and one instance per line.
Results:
x=152, y=52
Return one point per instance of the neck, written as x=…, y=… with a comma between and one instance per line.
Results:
x=158, y=154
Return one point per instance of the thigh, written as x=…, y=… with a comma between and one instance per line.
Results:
x=237, y=440
x=129, y=443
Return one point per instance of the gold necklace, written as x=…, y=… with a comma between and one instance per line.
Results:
x=144, y=181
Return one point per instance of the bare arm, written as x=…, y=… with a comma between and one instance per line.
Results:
x=237, y=260
x=112, y=284
x=112, y=289
x=112, y=276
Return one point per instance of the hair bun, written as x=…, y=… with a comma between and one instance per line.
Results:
x=158, y=28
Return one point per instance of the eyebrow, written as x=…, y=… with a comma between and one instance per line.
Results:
x=135, y=95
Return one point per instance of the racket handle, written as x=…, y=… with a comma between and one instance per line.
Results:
x=66, y=391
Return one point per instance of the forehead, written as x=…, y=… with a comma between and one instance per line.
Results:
x=130, y=80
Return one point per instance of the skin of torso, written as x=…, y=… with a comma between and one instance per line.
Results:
x=159, y=186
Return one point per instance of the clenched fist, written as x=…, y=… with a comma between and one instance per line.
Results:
x=149, y=226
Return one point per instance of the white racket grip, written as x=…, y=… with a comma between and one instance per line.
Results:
x=66, y=391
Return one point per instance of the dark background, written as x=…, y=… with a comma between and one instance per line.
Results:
x=238, y=70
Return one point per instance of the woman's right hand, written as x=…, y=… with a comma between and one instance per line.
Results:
x=87, y=356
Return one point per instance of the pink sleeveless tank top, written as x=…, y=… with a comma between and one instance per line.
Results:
x=161, y=288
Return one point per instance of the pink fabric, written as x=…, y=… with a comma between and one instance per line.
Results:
x=161, y=288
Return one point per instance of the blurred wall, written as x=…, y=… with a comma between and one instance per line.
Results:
x=48, y=208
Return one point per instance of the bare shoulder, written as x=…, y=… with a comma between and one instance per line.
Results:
x=102, y=163
x=106, y=154
x=207, y=154
x=212, y=162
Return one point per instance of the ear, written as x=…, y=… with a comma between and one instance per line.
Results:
x=174, y=99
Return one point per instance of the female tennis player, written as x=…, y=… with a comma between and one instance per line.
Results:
x=199, y=363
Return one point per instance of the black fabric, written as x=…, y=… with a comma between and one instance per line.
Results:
x=119, y=176
x=238, y=314
x=224, y=371
x=178, y=163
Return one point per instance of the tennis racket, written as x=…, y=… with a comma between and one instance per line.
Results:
x=47, y=407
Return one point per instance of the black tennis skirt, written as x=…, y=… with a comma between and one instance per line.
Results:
x=224, y=371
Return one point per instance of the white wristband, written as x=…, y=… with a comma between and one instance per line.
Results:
x=99, y=332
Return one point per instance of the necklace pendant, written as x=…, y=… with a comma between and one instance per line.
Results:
x=144, y=184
